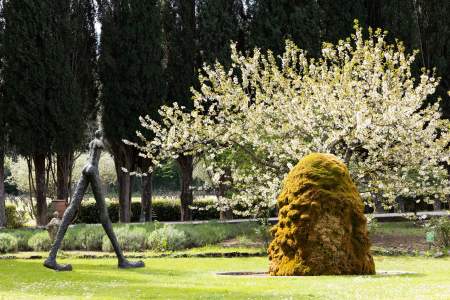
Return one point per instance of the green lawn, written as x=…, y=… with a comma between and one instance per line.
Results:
x=195, y=278
x=400, y=228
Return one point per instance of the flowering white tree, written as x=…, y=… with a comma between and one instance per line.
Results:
x=358, y=101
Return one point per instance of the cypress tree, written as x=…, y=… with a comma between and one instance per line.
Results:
x=180, y=47
x=2, y=126
x=45, y=113
x=336, y=18
x=81, y=50
x=272, y=22
x=219, y=23
x=130, y=71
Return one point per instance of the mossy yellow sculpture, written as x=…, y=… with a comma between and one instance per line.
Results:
x=321, y=226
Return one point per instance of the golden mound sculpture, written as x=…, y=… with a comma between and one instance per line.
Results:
x=321, y=226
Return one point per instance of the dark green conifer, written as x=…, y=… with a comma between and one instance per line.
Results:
x=130, y=72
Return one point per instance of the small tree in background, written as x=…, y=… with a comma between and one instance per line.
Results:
x=359, y=101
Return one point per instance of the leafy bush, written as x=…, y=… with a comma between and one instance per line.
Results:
x=71, y=240
x=214, y=232
x=40, y=241
x=22, y=237
x=92, y=238
x=167, y=238
x=84, y=237
x=441, y=228
x=14, y=219
x=8, y=243
x=130, y=239
x=372, y=224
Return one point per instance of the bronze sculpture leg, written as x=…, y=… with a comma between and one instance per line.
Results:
x=90, y=175
x=50, y=262
x=106, y=223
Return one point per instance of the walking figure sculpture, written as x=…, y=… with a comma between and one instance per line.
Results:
x=90, y=175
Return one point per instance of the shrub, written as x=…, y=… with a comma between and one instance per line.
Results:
x=14, y=219
x=8, y=243
x=71, y=240
x=214, y=232
x=83, y=237
x=22, y=237
x=441, y=228
x=130, y=239
x=167, y=238
x=372, y=224
x=40, y=242
x=92, y=238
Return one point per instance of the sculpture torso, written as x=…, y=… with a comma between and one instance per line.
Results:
x=95, y=150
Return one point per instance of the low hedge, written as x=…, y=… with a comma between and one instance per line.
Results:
x=163, y=210
x=40, y=241
x=8, y=243
x=131, y=237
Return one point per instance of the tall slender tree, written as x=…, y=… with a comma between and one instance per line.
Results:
x=219, y=23
x=2, y=126
x=336, y=18
x=179, y=21
x=130, y=71
x=81, y=54
x=272, y=22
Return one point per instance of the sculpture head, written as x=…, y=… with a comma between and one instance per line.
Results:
x=99, y=134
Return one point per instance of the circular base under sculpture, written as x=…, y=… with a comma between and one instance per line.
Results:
x=266, y=274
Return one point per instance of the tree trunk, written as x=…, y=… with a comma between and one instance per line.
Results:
x=379, y=209
x=224, y=186
x=41, y=193
x=437, y=205
x=2, y=190
x=123, y=159
x=401, y=204
x=123, y=180
x=146, y=198
x=63, y=165
x=186, y=197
